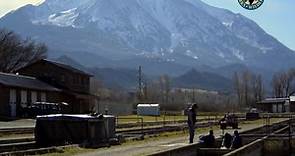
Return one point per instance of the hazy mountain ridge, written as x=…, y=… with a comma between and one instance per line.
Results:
x=124, y=78
x=203, y=80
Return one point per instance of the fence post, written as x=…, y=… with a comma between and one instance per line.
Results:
x=174, y=119
x=142, y=127
x=164, y=119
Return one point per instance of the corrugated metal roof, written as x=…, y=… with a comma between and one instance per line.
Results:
x=274, y=100
x=21, y=81
x=148, y=105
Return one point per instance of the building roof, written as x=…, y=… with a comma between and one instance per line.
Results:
x=67, y=67
x=13, y=80
x=273, y=100
x=60, y=65
x=148, y=105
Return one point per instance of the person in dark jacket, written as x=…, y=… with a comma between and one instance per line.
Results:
x=210, y=140
x=226, y=141
x=237, y=140
x=191, y=121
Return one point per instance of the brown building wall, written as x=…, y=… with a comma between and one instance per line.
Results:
x=75, y=85
x=53, y=97
x=76, y=104
x=265, y=107
x=292, y=106
x=4, y=101
x=58, y=76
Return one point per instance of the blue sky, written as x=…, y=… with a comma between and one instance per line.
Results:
x=276, y=17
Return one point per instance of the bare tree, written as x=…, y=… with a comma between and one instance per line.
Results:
x=238, y=87
x=248, y=87
x=246, y=77
x=290, y=87
x=292, y=83
x=16, y=53
x=283, y=83
x=276, y=85
x=257, y=87
x=165, y=88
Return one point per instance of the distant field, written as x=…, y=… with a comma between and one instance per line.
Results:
x=136, y=118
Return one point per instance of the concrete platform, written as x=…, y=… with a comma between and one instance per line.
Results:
x=17, y=123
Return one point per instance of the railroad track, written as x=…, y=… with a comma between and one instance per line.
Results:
x=140, y=132
x=133, y=127
x=20, y=130
x=21, y=146
x=249, y=136
x=26, y=146
x=120, y=127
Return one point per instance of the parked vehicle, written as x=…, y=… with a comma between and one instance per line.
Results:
x=253, y=114
x=44, y=108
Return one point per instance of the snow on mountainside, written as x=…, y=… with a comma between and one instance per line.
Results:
x=184, y=32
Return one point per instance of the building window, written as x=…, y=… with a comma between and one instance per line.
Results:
x=82, y=80
x=63, y=78
x=24, y=98
x=33, y=97
x=12, y=102
x=75, y=79
x=43, y=97
x=12, y=97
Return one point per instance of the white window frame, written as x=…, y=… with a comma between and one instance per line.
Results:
x=24, y=98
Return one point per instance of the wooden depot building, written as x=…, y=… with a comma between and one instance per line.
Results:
x=17, y=92
x=45, y=81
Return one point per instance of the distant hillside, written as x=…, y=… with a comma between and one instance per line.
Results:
x=203, y=80
x=125, y=78
x=111, y=77
x=116, y=78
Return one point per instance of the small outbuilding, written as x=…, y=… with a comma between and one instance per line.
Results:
x=277, y=105
x=59, y=129
x=148, y=109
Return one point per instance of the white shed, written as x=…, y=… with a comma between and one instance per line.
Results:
x=148, y=109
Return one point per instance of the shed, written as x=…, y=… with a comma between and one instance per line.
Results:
x=275, y=105
x=148, y=109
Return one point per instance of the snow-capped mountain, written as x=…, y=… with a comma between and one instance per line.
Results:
x=184, y=32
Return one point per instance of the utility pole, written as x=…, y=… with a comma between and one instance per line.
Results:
x=139, y=84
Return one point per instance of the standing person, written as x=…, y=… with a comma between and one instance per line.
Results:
x=191, y=121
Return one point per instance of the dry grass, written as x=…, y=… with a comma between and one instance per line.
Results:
x=135, y=118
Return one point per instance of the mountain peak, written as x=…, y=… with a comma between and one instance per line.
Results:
x=186, y=32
